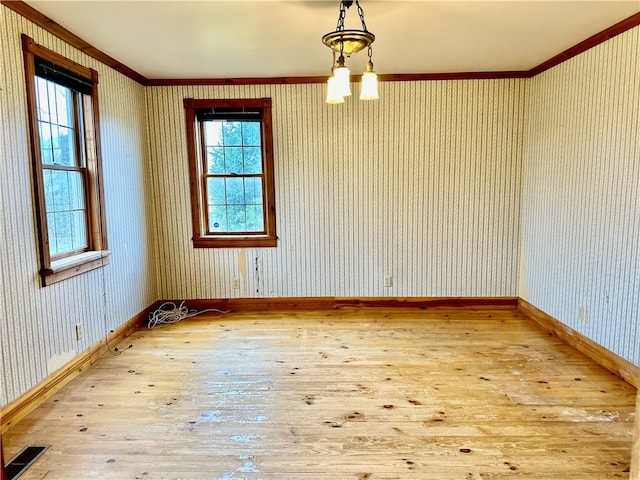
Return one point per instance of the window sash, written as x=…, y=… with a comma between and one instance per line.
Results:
x=248, y=206
x=75, y=205
x=72, y=219
x=206, y=194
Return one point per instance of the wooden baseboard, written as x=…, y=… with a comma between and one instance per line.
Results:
x=3, y=473
x=635, y=449
x=324, y=303
x=427, y=302
x=15, y=411
x=606, y=358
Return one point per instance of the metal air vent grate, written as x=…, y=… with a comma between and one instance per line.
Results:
x=23, y=460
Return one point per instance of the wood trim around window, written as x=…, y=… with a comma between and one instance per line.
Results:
x=97, y=253
x=200, y=237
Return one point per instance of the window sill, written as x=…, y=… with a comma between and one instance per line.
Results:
x=72, y=266
x=235, y=242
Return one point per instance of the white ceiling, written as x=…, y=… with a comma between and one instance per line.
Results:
x=269, y=38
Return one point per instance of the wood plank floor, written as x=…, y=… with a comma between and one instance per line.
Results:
x=464, y=394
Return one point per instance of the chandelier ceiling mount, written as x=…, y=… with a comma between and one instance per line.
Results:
x=348, y=41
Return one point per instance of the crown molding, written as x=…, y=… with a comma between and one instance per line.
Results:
x=601, y=37
x=30, y=13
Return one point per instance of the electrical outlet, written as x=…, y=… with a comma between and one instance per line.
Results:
x=388, y=281
x=235, y=284
x=583, y=314
x=79, y=331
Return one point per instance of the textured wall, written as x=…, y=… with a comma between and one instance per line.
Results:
x=37, y=325
x=581, y=206
x=423, y=185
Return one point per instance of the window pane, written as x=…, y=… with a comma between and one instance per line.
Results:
x=48, y=189
x=55, y=142
x=51, y=99
x=232, y=133
x=215, y=162
x=253, y=190
x=63, y=152
x=76, y=190
x=45, y=143
x=213, y=134
x=252, y=160
x=251, y=134
x=236, y=216
x=255, y=218
x=64, y=105
x=215, y=191
x=61, y=234
x=42, y=99
x=218, y=218
x=60, y=194
x=233, y=159
x=51, y=225
x=78, y=230
x=235, y=190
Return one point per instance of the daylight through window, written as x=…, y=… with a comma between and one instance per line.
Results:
x=64, y=169
x=231, y=167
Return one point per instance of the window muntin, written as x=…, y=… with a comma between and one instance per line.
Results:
x=62, y=101
x=231, y=171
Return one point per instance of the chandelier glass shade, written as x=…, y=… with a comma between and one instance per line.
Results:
x=369, y=89
x=333, y=91
x=344, y=42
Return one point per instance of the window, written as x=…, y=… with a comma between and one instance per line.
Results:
x=230, y=152
x=63, y=122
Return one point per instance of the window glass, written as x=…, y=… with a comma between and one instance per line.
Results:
x=64, y=188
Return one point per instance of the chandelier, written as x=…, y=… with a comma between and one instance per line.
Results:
x=345, y=42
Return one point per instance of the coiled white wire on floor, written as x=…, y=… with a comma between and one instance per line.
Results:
x=169, y=312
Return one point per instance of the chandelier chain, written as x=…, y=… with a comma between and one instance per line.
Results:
x=361, y=14
x=341, y=15
x=343, y=12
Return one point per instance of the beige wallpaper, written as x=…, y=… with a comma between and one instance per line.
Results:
x=581, y=207
x=37, y=325
x=423, y=185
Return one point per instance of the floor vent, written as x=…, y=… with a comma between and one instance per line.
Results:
x=23, y=460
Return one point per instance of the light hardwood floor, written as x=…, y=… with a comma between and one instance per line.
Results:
x=458, y=393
